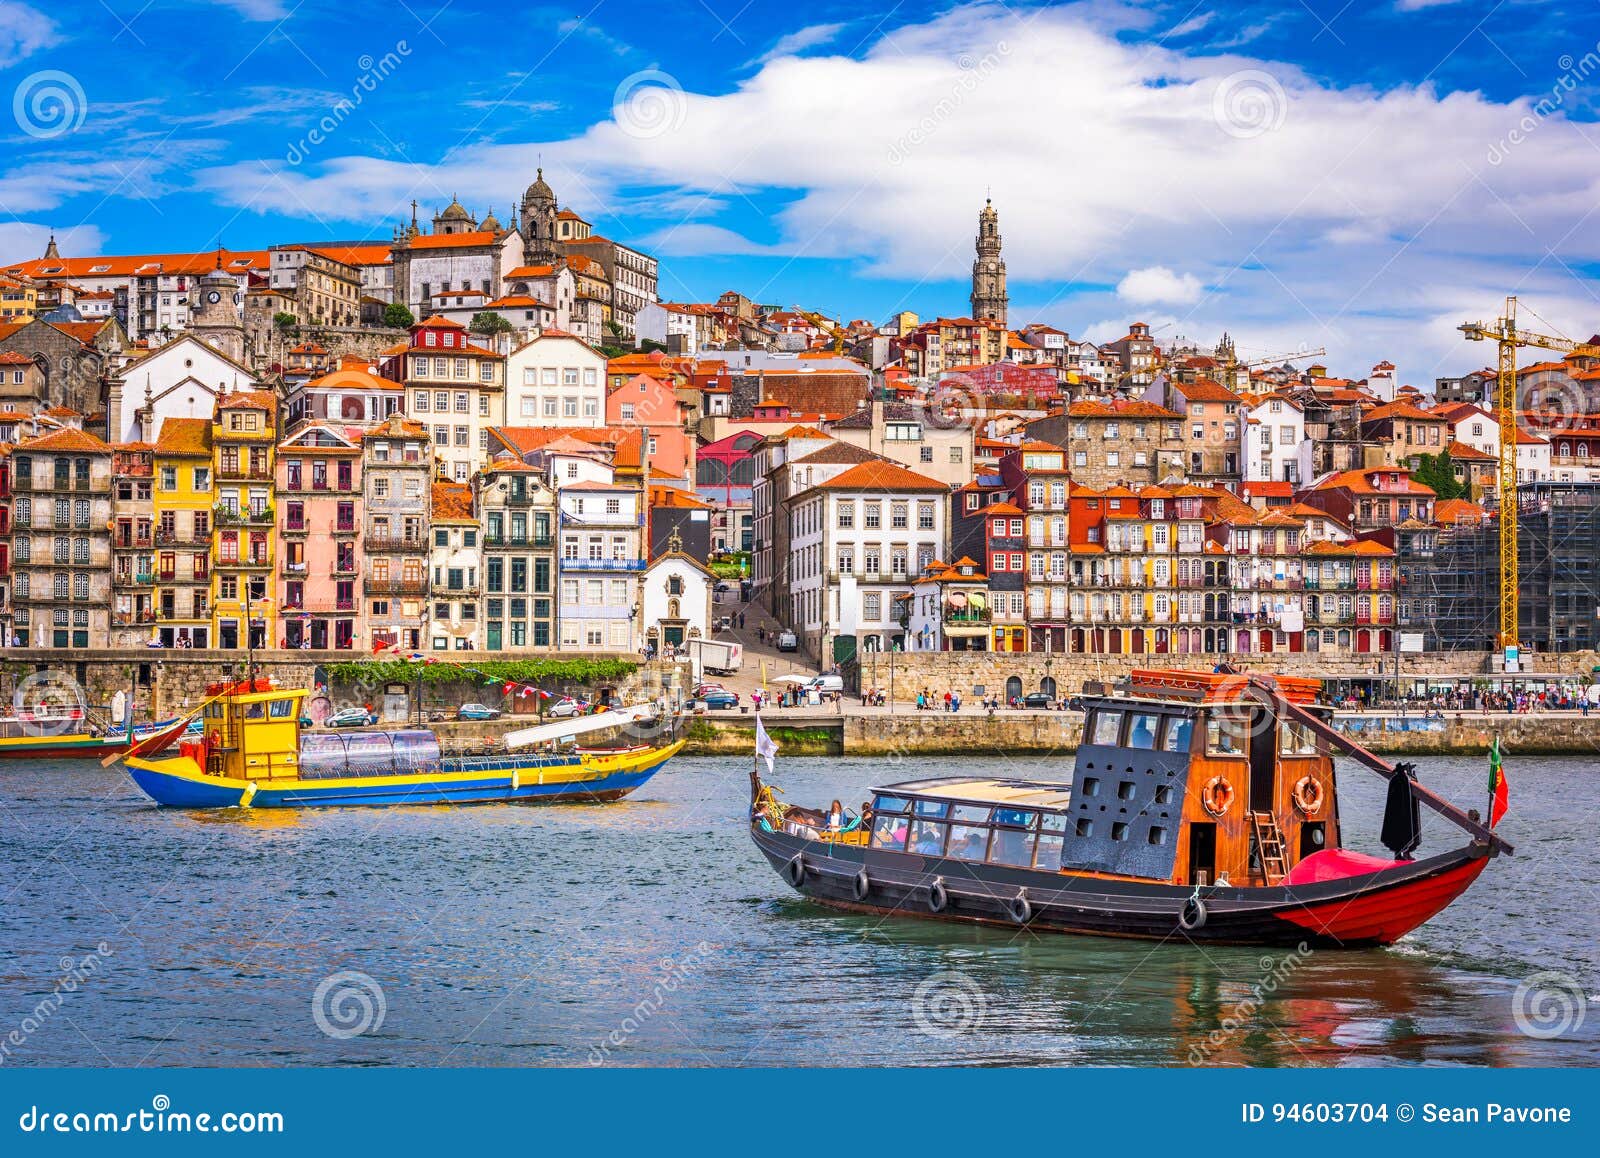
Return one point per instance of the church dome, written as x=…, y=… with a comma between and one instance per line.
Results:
x=490, y=223
x=455, y=212
x=540, y=189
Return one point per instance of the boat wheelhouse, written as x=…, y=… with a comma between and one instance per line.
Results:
x=1199, y=804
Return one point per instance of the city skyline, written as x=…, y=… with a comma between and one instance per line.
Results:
x=1142, y=146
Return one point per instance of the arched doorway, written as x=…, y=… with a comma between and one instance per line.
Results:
x=1163, y=641
x=1013, y=688
x=1048, y=686
x=1136, y=643
x=1266, y=640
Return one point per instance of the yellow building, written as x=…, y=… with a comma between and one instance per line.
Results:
x=244, y=437
x=18, y=299
x=181, y=501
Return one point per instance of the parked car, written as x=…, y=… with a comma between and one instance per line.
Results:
x=826, y=683
x=477, y=712
x=350, y=718
x=705, y=689
x=787, y=641
x=718, y=701
x=566, y=707
x=723, y=588
x=1038, y=700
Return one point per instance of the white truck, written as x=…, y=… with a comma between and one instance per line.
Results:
x=716, y=656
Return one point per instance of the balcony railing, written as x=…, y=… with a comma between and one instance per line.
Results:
x=312, y=487
x=403, y=544
x=233, y=518
x=966, y=618
x=602, y=564
x=133, y=618
x=396, y=586
x=469, y=592
x=337, y=570
x=244, y=471
x=300, y=528
x=134, y=543
x=294, y=568
x=236, y=564
x=183, y=538
x=518, y=541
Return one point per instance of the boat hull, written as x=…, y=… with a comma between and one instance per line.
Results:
x=178, y=782
x=60, y=747
x=1371, y=909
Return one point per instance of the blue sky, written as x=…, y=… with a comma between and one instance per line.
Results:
x=1355, y=176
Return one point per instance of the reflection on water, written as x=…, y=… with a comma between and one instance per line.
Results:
x=650, y=932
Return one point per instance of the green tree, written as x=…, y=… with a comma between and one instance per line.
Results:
x=1438, y=472
x=397, y=317
x=489, y=322
x=285, y=321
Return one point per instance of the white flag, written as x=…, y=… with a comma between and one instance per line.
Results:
x=766, y=747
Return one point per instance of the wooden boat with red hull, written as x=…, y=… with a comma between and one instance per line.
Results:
x=1201, y=806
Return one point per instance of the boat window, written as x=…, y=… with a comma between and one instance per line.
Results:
x=888, y=804
x=1106, y=726
x=1085, y=826
x=1125, y=790
x=1164, y=794
x=1142, y=729
x=1296, y=740
x=281, y=709
x=1119, y=830
x=1052, y=832
x=1179, y=729
x=1158, y=835
x=1091, y=786
x=889, y=832
x=968, y=842
x=979, y=812
x=1227, y=735
x=255, y=711
x=1013, y=839
x=932, y=807
x=927, y=837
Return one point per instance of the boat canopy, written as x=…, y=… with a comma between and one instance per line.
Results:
x=1023, y=793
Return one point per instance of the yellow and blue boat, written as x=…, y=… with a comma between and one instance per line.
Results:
x=255, y=752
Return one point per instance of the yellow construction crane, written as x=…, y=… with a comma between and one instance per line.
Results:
x=838, y=335
x=1504, y=332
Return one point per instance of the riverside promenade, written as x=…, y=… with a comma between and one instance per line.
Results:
x=848, y=728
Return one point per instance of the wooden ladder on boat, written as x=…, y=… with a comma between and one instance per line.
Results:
x=1269, y=847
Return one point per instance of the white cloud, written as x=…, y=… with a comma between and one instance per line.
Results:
x=25, y=239
x=23, y=31
x=1418, y=5
x=691, y=239
x=1193, y=24
x=1358, y=219
x=797, y=42
x=258, y=9
x=1158, y=285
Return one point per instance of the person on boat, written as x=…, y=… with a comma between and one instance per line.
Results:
x=835, y=816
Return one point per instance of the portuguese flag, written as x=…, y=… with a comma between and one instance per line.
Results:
x=1499, y=797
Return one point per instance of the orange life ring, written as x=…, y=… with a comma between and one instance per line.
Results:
x=1308, y=795
x=1217, y=795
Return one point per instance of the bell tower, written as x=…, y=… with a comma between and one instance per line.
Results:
x=214, y=315
x=989, y=298
x=539, y=223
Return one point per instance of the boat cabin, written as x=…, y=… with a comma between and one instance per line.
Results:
x=252, y=731
x=1181, y=777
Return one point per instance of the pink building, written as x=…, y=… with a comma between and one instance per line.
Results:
x=319, y=553
x=654, y=404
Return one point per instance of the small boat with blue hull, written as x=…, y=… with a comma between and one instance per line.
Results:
x=255, y=753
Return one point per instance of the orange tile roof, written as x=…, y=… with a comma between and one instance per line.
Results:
x=356, y=254
x=1357, y=547
x=881, y=476
x=1359, y=482
x=184, y=437
x=1401, y=410
x=1460, y=450
x=68, y=439
x=144, y=264
x=452, y=502
x=1205, y=390
x=249, y=400
x=474, y=238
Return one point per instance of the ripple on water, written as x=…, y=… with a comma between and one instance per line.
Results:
x=650, y=932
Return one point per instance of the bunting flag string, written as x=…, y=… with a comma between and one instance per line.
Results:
x=510, y=688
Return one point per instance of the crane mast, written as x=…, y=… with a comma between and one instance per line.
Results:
x=1504, y=333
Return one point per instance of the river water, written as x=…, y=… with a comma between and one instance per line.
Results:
x=650, y=932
